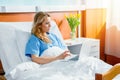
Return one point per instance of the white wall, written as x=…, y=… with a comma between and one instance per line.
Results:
x=37, y=2
x=49, y=5
x=44, y=5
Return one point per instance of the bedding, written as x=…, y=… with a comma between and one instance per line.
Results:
x=60, y=70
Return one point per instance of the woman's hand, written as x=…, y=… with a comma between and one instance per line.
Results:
x=63, y=55
x=45, y=59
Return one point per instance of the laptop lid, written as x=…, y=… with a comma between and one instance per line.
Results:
x=75, y=49
x=82, y=49
x=85, y=49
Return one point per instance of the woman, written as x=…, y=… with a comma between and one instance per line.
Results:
x=41, y=40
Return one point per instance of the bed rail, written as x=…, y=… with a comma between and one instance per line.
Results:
x=98, y=76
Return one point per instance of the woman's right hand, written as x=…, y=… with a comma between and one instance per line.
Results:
x=63, y=55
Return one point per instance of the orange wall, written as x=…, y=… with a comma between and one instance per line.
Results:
x=94, y=25
x=13, y=17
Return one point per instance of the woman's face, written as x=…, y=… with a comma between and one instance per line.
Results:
x=46, y=24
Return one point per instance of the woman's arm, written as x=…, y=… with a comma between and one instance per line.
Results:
x=44, y=60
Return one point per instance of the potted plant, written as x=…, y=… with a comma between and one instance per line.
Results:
x=73, y=21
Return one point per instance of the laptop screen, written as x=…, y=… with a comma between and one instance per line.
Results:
x=75, y=49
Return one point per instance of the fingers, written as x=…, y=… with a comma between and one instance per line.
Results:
x=67, y=53
x=64, y=54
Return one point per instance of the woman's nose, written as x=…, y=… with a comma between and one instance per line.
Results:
x=49, y=25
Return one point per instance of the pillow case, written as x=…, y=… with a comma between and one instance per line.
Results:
x=65, y=29
x=9, y=53
x=24, y=26
x=22, y=38
x=54, y=29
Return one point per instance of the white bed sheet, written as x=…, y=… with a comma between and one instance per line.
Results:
x=60, y=70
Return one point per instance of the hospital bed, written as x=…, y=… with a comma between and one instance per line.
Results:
x=14, y=36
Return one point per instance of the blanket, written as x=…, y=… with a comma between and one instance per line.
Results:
x=60, y=70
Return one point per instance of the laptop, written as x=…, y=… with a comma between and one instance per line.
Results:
x=75, y=50
x=80, y=50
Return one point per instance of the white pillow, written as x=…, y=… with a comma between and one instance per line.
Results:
x=22, y=38
x=24, y=26
x=53, y=51
x=54, y=29
x=9, y=54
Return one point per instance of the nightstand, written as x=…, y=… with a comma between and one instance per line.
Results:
x=77, y=43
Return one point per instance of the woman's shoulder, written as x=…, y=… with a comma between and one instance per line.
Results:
x=32, y=41
x=33, y=37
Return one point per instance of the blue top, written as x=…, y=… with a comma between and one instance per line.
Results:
x=37, y=46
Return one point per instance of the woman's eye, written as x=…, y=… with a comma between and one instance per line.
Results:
x=47, y=22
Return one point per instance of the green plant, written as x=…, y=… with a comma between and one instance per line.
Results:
x=74, y=21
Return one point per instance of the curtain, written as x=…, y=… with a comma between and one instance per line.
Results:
x=112, y=41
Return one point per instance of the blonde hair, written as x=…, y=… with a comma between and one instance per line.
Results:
x=36, y=30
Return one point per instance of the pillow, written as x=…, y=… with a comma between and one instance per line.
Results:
x=22, y=38
x=65, y=29
x=53, y=51
x=9, y=54
x=54, y=29
x=24, y=26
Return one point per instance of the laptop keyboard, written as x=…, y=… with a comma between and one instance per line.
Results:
x=72, y=58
